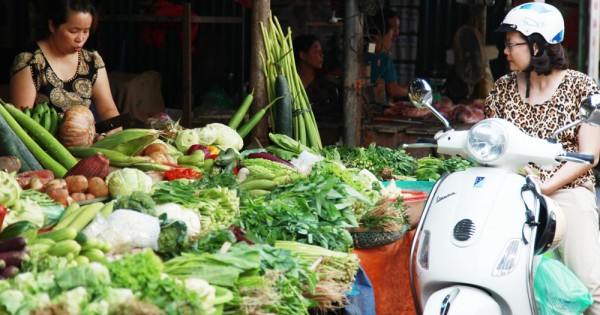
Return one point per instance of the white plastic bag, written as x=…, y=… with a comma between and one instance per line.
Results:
x=125, y=230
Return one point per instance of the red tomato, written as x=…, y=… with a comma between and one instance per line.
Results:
x=182, y=173
x=3, y=212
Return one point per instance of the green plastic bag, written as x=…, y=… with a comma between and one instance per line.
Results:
x=558, y=291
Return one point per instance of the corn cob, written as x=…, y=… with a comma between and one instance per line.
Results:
x=128, y=141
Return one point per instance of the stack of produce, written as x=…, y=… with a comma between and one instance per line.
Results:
x=283, y=83
x=180, y=221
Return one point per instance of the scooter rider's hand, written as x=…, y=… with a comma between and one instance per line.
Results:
x=534, y=178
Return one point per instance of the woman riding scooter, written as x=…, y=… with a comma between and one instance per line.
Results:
x=539, y=96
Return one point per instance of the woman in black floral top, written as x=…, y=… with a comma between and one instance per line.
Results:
x=58, y=70
x=540, y=96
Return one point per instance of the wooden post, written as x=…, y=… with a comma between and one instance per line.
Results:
x=260, y=14
x=352, y=106
x=186, y=42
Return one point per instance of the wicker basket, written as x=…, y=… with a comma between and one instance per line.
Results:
x=373, y=239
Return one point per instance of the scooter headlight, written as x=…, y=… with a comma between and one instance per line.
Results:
x=487, y=141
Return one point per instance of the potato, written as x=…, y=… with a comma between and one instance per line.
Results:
x=78, y=196
x=58, y=194
x=77, y=183
x=97, y=187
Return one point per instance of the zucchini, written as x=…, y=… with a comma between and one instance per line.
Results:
x=283, y=107
x=11, y=145
x=57, y=150
x=20, y=228
x=38, y=152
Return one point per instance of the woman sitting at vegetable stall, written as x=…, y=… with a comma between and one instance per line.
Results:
x=58, y=70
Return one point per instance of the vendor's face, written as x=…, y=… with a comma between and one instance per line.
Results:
x=314, y=56
x=72, y=35
x=392, y=33
x=516, y=51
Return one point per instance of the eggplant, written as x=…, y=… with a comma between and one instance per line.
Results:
x=14, y=243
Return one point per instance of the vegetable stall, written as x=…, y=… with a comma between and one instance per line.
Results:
x=172, y=220
x=164, y=219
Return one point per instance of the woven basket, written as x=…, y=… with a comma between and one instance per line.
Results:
x=373, y=239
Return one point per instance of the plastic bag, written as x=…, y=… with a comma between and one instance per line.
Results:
x=125, y=230
x=558, y=291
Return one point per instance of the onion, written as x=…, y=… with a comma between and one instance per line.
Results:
x=78, y=127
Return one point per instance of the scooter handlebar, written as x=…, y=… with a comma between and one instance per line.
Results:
x=576, y=157
x=422, y=143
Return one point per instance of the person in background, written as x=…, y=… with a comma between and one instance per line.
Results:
x=382, y=29
x=58, y=70
x=540, y=95
x=322, y=90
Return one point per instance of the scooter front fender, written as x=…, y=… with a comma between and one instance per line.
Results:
x=463, y=300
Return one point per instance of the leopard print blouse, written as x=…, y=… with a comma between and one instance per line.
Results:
x=542, y=120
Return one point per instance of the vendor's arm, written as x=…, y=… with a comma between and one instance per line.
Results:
x=22, y=89
x=395, y=90
x=103, y=100
x=588, y=144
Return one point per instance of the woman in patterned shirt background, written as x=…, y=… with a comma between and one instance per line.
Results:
x=540, y=95
x=58, y=70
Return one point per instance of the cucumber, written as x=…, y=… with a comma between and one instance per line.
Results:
x=11, y=145
x=283, y=107
x=59, y=235
x=65, y=247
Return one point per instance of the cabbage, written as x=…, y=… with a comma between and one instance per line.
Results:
x=207, y=134
x=10, y=191
x=127, y=180
x=25, y=210
x=186, y=138
x=227, y=137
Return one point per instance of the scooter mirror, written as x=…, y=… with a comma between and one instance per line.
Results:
x=419, y=93
x=589, y=110
x=421, y=96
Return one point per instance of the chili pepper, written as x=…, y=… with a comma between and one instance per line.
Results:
x=183, y=172
x=3, y=212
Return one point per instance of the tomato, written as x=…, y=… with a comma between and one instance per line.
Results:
x=183, y=172
x=3, y=212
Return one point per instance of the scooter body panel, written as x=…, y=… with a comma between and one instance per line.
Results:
x=473, y=215
x=464, y=301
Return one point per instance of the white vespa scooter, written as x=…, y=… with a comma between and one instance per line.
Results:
x=482, y=229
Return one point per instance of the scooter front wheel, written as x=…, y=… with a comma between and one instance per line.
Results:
x=463, y=300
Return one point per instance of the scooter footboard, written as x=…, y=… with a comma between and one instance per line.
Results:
x=463, y=300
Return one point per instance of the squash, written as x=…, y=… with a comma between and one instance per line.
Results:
x=78, y=127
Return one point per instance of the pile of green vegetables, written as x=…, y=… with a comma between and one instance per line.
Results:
x=288, y=278
x=133, y=284
x=314, y=210
x=383, y=162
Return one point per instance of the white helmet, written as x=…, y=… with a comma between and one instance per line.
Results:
x=535, y=17
x=553, y=225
